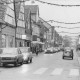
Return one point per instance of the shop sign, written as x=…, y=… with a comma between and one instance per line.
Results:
x=23, y=36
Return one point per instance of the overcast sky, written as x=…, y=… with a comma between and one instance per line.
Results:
x=61, y=14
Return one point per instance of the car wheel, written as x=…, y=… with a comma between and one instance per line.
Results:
x=16, y=63
x=31, y=60
x=63, y=57
x=72, y=58
x=21, y=63
x=27, y=61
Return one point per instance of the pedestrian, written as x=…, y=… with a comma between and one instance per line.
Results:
x=37, y=51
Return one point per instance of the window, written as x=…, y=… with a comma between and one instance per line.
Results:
x=11, y=41
x=3, y=41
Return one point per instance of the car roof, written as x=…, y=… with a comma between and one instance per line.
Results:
x=23, y=47
x=9, y=48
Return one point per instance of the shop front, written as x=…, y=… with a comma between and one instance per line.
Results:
x=8, y=36
x=37, y=44
x=28, y=40
x=19, y=41
x=23, y=40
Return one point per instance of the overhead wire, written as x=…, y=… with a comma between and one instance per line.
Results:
x=46, y=3
x=66, y=27
x=52, y=20
x=43, y=3
x=68, y=32
x=57, y=4
x=62, y=6
x=62, y=22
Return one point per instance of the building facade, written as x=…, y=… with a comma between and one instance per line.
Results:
x=8, y=27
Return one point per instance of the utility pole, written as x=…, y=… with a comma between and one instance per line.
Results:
x=15, y=20
x=30, y=29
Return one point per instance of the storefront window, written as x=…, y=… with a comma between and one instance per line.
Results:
x=20, y=44
x=3, y=41
x=28, y=44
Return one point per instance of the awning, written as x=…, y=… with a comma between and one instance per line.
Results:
x=37, y=42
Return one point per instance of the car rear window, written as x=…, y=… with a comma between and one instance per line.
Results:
x=25, y=49
x=9, y=50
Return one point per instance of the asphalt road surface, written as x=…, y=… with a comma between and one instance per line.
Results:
x=43, y=67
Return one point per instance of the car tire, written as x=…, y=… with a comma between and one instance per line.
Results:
x=27, y=61
x=72, y=58
x=31, y=60
x=16, y=63
x=63, y=57
x=21, y=63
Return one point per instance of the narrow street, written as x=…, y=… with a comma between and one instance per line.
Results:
x=43, y=67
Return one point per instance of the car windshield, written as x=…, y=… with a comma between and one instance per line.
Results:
x=9, y=51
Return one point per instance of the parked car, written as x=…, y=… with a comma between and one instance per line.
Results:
x=11, y=56
x=59, y=49
x=49, y=50
x=68, y=53
x=55, y=49
x=27, y=54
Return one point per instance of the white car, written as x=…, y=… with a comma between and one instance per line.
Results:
x=11, y=56
x=27, y=54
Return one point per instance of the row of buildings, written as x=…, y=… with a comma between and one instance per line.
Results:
x=21, y=25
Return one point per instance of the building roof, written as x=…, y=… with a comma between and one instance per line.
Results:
x=32, y=8
x=26, y=15
x=47, y=25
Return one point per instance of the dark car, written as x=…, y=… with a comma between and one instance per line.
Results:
x=68, y=53
x=49, y=50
